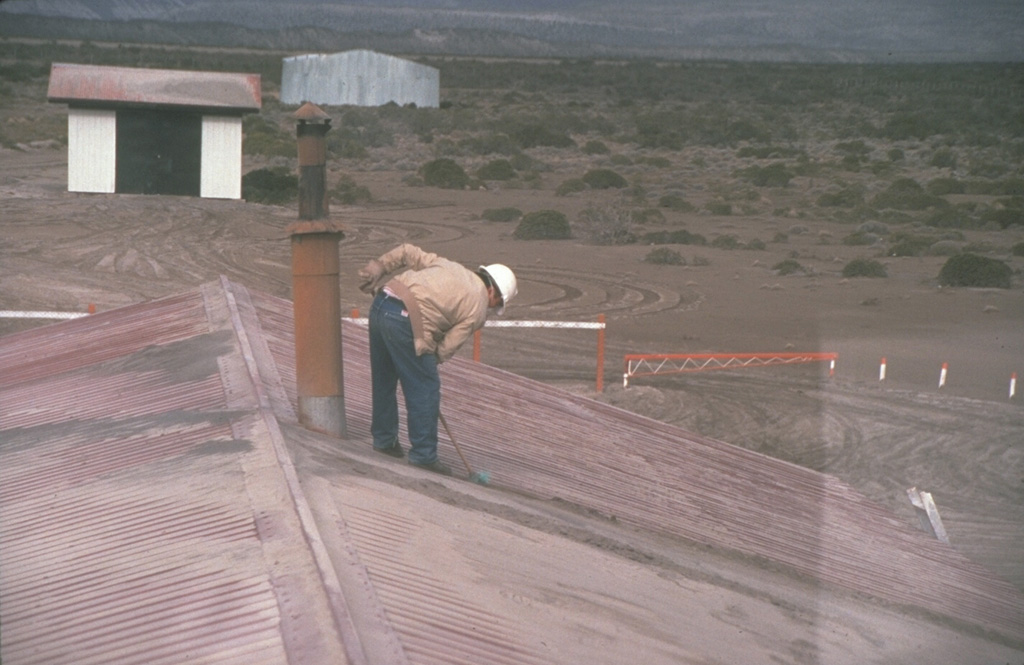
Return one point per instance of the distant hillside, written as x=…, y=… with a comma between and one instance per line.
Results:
x=769, y=30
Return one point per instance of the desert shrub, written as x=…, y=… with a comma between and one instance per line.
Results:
x=847, y=197
x=665, y=256
x=535, y=134
x=904, y=244
x=756, y=244
x=1018, y=249
x=943, y=186
x=788, y=267
x=620, y=160
x=648, y=216
x=1005, y=187
x=857, y=147
x=501, y=214
x=346, y=191
x=951, y=217
x=570, y=186
x=860, y=238
x=604, y=179
x=261, y=137
x=727, y=241
x=499, y=169
x=769, y=152
x=864, y=268
x=943, y=158
x=444, y=173
x=543, y=225
x=906, y=194
x=1004, y=217
x=721, y=208
x=596, y=148
x=677, y=237
x=606, y=226
x=275, y=185
x=974, y=270
x=675, y=202
x=944, y=248
x=658, y=162
x=773, y=175
x=493, y=143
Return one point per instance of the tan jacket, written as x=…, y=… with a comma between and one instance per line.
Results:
x=446, y=301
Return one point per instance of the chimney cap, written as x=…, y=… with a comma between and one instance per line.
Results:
x=310, y=112
x=307, y=227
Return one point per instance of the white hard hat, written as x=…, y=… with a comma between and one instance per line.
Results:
x=505, y=280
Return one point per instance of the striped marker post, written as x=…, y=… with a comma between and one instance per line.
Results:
x=1013, y=384
x=881, y=370
x=942, y=374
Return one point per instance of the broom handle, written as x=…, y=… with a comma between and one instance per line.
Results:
x=452, y=439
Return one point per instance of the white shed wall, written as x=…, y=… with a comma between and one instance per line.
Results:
x=220, y=174
x=92, y=150
x=359, y=78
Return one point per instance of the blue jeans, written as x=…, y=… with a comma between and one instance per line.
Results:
x=393, y=359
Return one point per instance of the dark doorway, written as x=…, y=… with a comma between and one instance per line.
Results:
x=158, y=152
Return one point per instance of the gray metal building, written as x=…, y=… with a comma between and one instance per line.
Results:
x=358, y=78
x=154, y=131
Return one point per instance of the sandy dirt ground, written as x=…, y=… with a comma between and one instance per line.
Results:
x=963, y=442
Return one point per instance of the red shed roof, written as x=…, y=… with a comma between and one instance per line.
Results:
x=94, y=85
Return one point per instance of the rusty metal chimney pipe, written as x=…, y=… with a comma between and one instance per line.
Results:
x=316, y=298
x=315, y=285
x=313, y=125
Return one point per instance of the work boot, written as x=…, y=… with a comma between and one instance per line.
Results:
x=437, y=467
x=394, y=451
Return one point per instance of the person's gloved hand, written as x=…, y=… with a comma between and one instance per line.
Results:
x=372, y=274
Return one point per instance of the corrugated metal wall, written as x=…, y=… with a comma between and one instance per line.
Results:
x=221, y=171
x=92, y=155
x=359, y=78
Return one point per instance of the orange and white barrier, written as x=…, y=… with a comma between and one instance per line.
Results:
x=649, y=364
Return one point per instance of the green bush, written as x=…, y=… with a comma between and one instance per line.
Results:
x=864, y=268
x=665, y=256
x=349, y=193
x=499, y=169
x=773, y=175
x=274, y=186
x=543, y=225
x=675, y=202
x=906, y=194
x=721, y=208
x=570, y=186
x=604, y=179
x=727, y=241
x=444, y=173
x=1018, y=249
x=532, y=135
x=501, y=214
x=1004, y=217
x=904, y=244
x=788, y=267
x=974, y=270
x=847, y=197
x=943, y=186
x=596, y=148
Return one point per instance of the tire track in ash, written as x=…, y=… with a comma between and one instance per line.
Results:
x=569, y=295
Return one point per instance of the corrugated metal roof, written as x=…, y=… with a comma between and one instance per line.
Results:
x=535, y=438
x=96, y=85
x=149, y=511
x=144, y=514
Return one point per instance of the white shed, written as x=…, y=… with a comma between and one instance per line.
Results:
x=154, y=131
x=359, y=78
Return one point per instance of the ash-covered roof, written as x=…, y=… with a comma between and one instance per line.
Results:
x=104, y=86
x=160, y=504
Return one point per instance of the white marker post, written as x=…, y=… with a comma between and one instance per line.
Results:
x=942, y=374
x=881, y=370
x=1013, y=384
